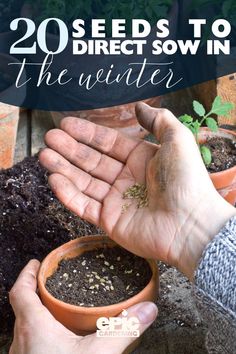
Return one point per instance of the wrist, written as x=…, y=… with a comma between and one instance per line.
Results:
x=201, y=227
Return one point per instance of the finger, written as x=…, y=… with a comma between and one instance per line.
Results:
x=23, y=297
x=90, y=186
x=106, y=140
x=85, y=207
x=91, y=161
x=144, y=314
x=160, y=122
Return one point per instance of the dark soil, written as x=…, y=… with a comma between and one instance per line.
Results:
x=99, y=278
x=223, y=152
x=32, y=223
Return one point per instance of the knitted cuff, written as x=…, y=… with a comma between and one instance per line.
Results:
x=216, y=272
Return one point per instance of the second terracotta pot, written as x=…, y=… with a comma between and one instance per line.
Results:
x=224, y=181
x=82, y=320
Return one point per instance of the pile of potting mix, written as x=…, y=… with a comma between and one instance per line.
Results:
x=32, y=223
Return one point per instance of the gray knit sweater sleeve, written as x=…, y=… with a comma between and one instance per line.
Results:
x=215, y=290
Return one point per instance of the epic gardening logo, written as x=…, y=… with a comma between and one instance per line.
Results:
x=123, y=326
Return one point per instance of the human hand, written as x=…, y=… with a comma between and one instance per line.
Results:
x=37, y=332
x=92, y=166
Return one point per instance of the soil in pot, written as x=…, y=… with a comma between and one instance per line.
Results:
x=32, y=223
x=99, y=278
x=223, y=152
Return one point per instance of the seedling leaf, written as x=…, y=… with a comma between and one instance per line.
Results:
x=199, y=108
x=212, y=124
x=196, y=126
x=220, y=108
x=186, y=119
x=206, y=155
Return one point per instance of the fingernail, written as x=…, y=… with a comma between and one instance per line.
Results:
x=147, y=312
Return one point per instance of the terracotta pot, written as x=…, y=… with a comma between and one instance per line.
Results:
x=9, y=115
x=82, y=320
x=122, y=118
x=224, y=181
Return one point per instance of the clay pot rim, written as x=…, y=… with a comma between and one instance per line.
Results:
x=229, y=170
x=94, y=310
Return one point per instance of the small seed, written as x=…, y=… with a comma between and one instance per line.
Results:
x=83, y=263
x=94, y=273
x=96, y=286
x=118, y=259
x=112, y=287
x=102, y=280
x=128, y=271
x=92, y=287
x=127, y=287
x=91, y=280
x=112, y=267
x=97, y=277
x=82, y=304
x=107, y=287
x=74, y=271
x=138, y=192
x=125, y=207
x=138, y=275
x=66, y=276
x=107, y=263
x=70, y=285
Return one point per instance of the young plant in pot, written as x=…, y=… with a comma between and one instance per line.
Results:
x=217, y=146
x=92, y=277
x=120, y=117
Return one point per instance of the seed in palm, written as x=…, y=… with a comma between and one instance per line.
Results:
x=137, y=192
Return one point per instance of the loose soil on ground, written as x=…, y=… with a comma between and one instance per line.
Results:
x=32, y=223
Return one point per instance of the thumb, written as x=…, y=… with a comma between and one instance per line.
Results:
x=158, y=121
x=139, y=316
x=23, y=297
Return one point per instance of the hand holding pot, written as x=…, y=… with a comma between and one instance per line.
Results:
x=92, y=166
x=36, y=330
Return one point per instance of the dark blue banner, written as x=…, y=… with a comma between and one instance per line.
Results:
x=63, y=55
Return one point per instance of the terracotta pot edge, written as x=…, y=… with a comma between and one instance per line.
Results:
x=154, y=281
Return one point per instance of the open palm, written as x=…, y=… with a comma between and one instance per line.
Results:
x=92, y=166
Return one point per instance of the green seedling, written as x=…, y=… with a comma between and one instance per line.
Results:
x=219, y=108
